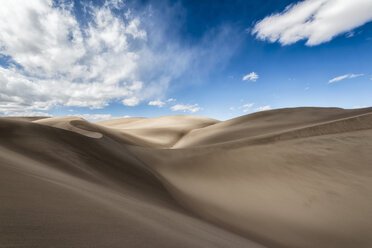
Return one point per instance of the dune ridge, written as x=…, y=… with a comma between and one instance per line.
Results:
x=63, y=189
x=295, y=177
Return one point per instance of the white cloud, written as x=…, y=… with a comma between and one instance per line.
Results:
x=356, y=75
x=247, y=107
x=316, y=21
x=132, y=101
x=339, y=78
x=251, y=76
x=156, y=103
x=117, y=4
x=186, y=108
x=171, y=100
x=56, y=60
x=262, y=108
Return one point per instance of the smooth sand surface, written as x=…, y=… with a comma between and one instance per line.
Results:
x=299, y=177
x=159, y=132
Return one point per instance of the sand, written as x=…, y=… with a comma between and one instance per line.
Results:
x=298, y=177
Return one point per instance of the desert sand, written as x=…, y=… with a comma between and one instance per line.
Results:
x=295, y=177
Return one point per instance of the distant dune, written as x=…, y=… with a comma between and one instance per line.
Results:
x=296, y=178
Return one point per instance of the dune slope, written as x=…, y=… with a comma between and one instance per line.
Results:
x=307, y=184
x=60, y=188
x=264, y=123
x=296, y=178
x=159, y=132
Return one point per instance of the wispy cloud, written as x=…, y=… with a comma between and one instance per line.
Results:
x=247, y=107
x=316, y=21
x=160, y=103
x=186, y=108
x=346, y=76
x=251, y=76
x=262, y=108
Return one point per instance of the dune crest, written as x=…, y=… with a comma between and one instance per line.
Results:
x=297, y=177
x=159, y=132
x=74, y=124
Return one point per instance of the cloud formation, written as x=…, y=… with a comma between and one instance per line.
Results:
x=54, y=60
x=263, y=108
x=132, y=101
x=105, y=54
x=251, y=77
x=346, y=76
x=316, y=21
x=247, y=107
x=186, y=108
x=156, y=103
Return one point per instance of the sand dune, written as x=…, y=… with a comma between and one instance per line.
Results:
x=160, y=132
x=264, y=123
x=27, y=118
x=63, y=189
x=296, y=177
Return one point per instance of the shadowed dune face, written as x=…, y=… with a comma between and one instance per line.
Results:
x=284, y=178
x=62, y=188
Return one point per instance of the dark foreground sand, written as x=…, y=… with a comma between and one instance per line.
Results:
x=298, y=177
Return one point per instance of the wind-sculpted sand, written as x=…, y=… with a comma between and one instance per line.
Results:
x=299, y=177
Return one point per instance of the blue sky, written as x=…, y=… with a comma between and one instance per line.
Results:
x=221, y=59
